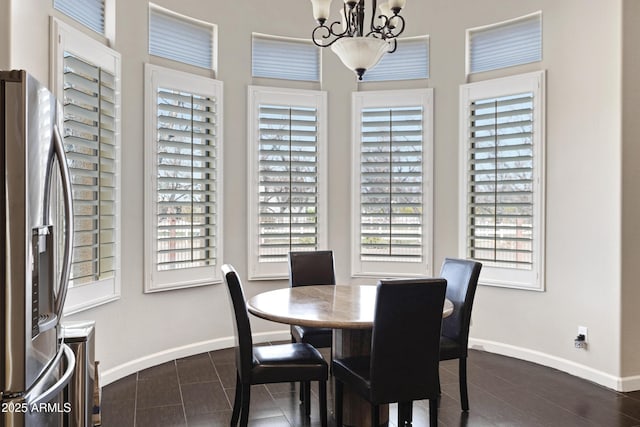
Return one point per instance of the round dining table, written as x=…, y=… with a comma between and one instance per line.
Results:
x=348, y=309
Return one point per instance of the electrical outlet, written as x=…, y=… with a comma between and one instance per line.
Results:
x=581, y=340
x=583, y=330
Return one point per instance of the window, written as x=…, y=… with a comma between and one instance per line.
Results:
x=302, y=58
x=288, y=178
x=392, y=183
x=410, y=61
x=181, y=38
x=502, y=186
x=514, y=42
x=183, y=240
x=89, y=13
x=87, y=81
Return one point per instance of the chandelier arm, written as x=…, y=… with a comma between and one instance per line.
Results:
x=399, y=27
x=337, y=34
x=328, y=33
x=348, y=18
x=379, y=28
x=394, y=43
x=358, y=16
x=374, y=7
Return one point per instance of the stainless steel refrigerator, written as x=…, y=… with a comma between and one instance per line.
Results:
x=36, y=248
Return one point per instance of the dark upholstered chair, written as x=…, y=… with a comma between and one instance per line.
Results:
x=311, y=268
x=462, y=280
x=269, y=364
x=405, y=348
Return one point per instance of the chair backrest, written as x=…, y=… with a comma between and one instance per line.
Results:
x=405, y=347
x=462, y=281
x=311, y=268
x=244, y=344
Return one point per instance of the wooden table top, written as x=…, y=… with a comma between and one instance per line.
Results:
x=338, y=307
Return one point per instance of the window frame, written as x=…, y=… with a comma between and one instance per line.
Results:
x=266, y=38
x=498, y=26
x=281, y=96
x=391, y=99
x=188, y=20
x=156, y=76
x=530, y=82
x=79, y=19
x=66, y=38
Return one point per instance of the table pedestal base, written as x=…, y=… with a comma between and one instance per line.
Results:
x=356, y=410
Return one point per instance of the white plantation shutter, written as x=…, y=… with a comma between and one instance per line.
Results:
x=392, y=206
x=186, y=166
x=288, y=174
x=270, y=54
x=184, y=148
x=510, y=43
x=502, y=205
x=391, y=195
x=181, y=38
x=288, y=197
x=89, y=125
x=500, y=227
x=88, y=12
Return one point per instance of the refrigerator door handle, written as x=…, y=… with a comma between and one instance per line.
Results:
x=61, y=383
x=68, y=209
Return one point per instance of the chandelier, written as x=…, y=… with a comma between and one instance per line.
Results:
x=359, y=48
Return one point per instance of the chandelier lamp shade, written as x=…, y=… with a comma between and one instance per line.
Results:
x=359, y=47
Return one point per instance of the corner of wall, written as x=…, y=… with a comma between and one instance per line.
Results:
x=5, y=35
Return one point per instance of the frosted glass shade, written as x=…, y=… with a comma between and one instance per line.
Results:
x=321, y=9
x=386, y=11
x=360, y=53
x=399, y=4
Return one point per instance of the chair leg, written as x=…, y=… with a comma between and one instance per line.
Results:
x=293, y=341
x=237, y=402
x=338, y=398
x=375, y=415
x=433, y=412
x=322, y=390
x=307, y=398
x=462, y=374
x=246, y=398
x=405, y=413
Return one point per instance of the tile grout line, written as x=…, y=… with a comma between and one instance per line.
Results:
x=135, y=403
x=184, y=411
x=215, y=368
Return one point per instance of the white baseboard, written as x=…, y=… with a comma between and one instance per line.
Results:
x=622, y=384
x=565, y=365
x=128, y=368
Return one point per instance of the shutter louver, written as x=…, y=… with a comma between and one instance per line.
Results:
x=90, y=13
x=288, y=181
x=410, y=61
x=504, y=45
x=186, y=181
x=302, y=59
x=391, y=184
x=500, y=182
x=180, y=38
x=89, y=138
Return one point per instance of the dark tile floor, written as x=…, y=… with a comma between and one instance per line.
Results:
x=197, y=391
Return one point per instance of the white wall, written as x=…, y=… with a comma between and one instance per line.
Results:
x=583, y=176
x=583, y=197
x=631, y=195
x=5, y=32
